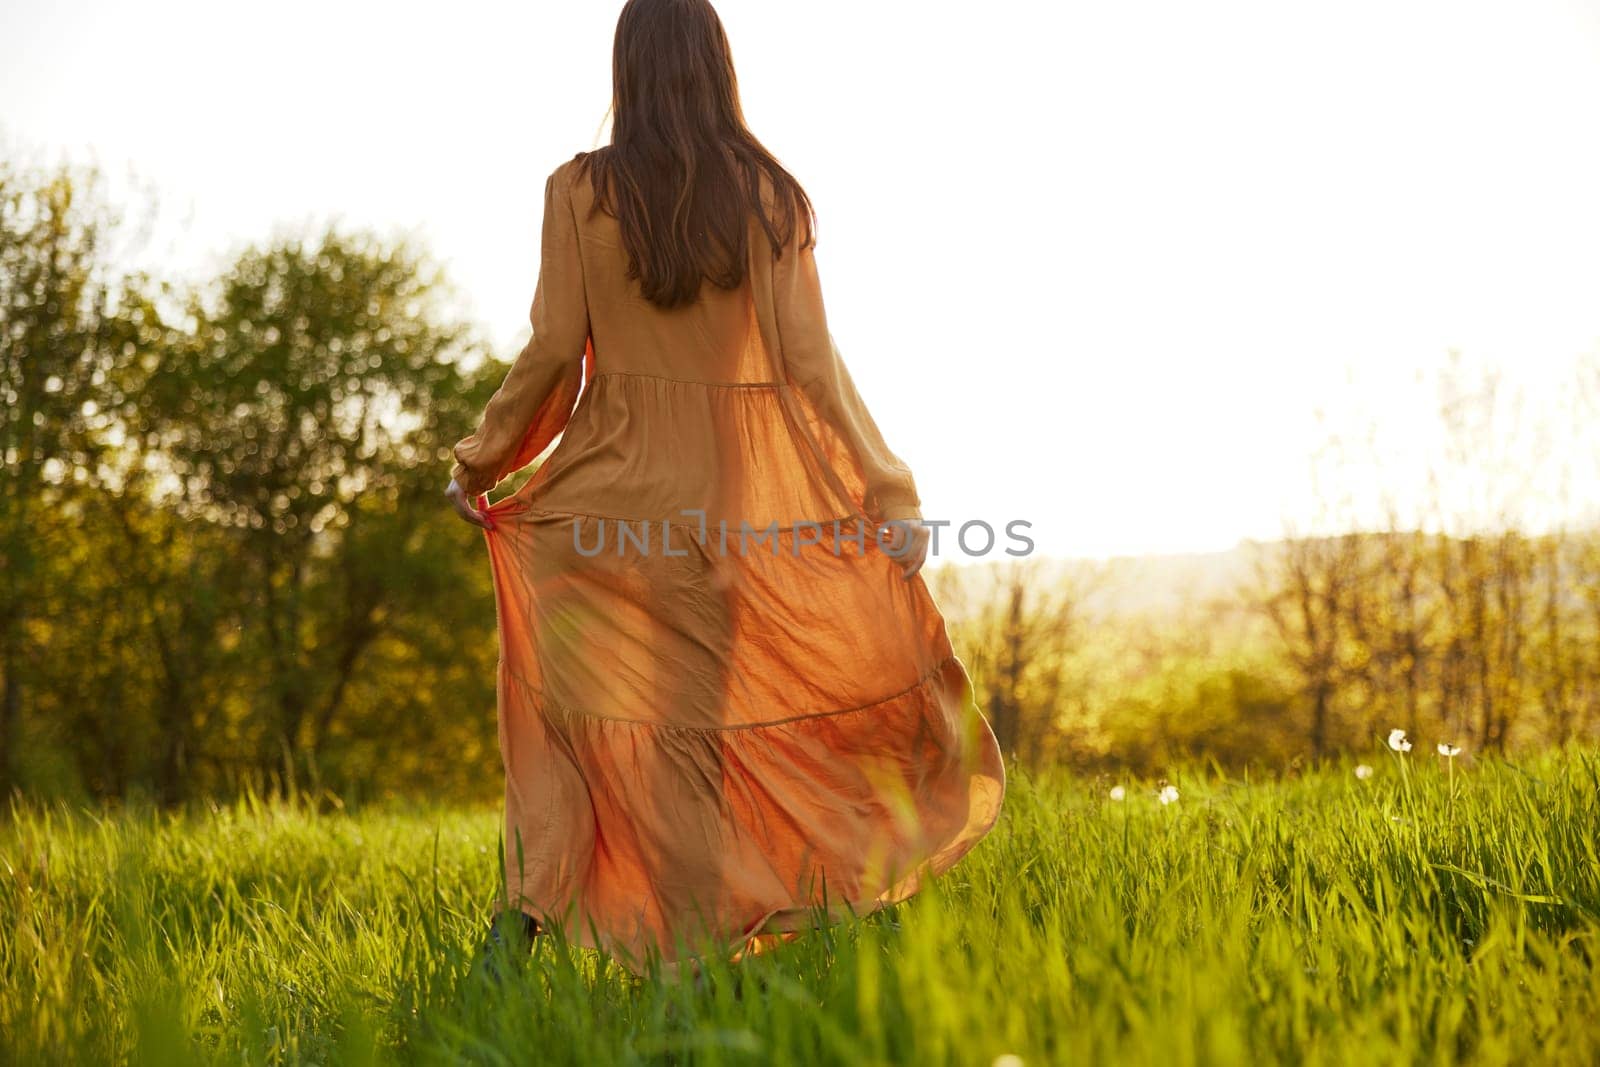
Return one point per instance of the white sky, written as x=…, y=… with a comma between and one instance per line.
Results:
x=1094, y=265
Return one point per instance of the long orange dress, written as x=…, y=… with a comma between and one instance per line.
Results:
x=716, y=716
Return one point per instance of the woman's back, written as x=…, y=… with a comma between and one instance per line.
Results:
x=736, y=406
x=715, y=339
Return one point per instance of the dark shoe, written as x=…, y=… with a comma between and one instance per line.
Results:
x=510, y=934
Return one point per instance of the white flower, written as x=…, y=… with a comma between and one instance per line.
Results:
x=1168, y=794
x=1449, y=750
x=1398, y=742
x=1363, y=772
x=1117, y=792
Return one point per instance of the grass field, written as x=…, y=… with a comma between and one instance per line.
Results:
x=1415, y=916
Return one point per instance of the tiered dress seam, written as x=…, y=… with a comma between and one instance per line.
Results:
x=548, y=701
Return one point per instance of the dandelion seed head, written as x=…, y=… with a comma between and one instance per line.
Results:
x=1398, y=742
x=1118, y=792
x=1363, y=771
x=1168, y=794
x=1448, y=750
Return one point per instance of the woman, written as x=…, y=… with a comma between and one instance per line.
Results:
x=726, y=699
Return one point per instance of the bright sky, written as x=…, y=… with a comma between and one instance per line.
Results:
x=1093, y=265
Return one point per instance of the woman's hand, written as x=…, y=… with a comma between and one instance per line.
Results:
x=458, y=499
x=908, y=542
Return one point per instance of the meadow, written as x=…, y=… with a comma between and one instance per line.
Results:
x=1432, y=911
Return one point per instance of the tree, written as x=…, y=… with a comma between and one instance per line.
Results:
x=1310, y=583
x=301, y=417
x=63, y=325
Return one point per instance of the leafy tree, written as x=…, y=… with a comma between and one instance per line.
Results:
x=305, y=415
x=64, y=323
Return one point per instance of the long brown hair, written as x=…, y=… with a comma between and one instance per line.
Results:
x=683, y=173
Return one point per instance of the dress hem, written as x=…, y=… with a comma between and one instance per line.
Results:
x=786, y=924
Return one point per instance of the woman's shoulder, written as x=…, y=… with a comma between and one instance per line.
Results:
x=566, y=174
x=570, y=182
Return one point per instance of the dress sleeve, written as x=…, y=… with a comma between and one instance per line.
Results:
x=816, y=367
x=535, y=400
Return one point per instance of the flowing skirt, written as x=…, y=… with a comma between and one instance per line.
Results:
x=712, y=732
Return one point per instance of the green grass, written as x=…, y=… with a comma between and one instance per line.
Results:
x=1409, y=918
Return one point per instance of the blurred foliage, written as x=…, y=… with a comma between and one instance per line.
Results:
x=1490, y=640
x=227, y=557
